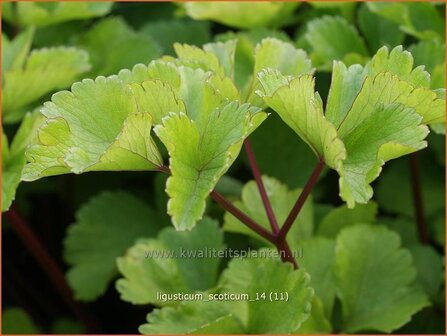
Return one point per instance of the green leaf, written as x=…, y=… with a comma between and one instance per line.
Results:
x=257, y=276
x=346, y=84
x=361, y=102
x=44, y=71
x=282, y=200
x=105, y=227
x=282, y=56
x=240, y=14
x=220, y=58
x=399, y=62
x=341, y=217
x=13, y=158
x=370, y=144
x=17, y=321
x=390, y=78
x=44, y=14
x=168, y=32
x=375, y=280
x=113, y=46
x=403, y=133
x=378, y=32
x=96, y=126
x=207, y=315
x=321, y=34
x=217, y=57
x=295, y=100
x=192, y=317
x=279, y=55
x=348, y=81
x=317, y=260
x=430, y=271
x=174, y=262
x=201, y=150
x=420, y=19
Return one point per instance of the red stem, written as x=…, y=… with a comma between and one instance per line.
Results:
x=280, y=243
x=301, y=199
x=228, y=206
x=417, y=199
x=257, y=175
x=43, y=258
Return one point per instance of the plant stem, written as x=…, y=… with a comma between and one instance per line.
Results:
x=228, y=206
x=301, y=199
x=417, y=198
x=257, y=175
x=279, y=242
x=46, y=262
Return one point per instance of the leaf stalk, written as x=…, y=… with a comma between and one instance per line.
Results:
x=301, y=199
x=258, y=178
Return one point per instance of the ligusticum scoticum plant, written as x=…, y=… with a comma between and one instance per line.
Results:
x=192, y=104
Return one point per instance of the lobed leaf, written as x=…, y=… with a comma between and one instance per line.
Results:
x=105, y=227
x=265, y=316
x=170, y=264
x=96, y=126
x=250, y=316
x=321, y=34
x=385, y=133
x=44, y=71
x=375, y=280
x=201, y=151
x=378, y=112
x=400, y=63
